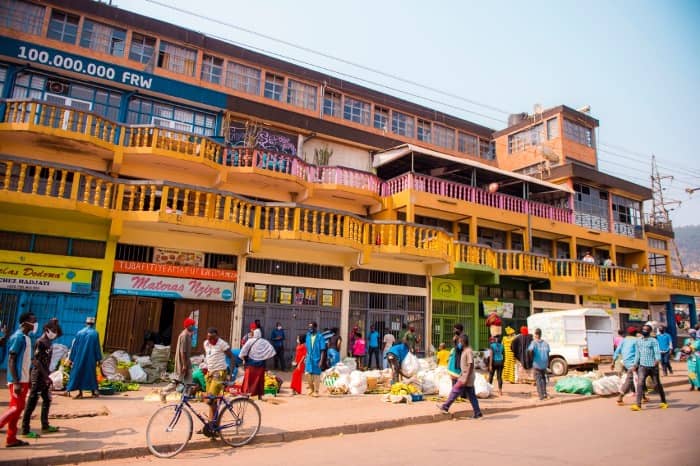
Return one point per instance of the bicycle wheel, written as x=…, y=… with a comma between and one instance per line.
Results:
x=239, y=422
x=169, y=430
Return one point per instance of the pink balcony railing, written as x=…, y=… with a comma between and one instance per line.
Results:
x=429, y=184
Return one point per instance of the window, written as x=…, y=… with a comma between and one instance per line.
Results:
x=301, y=94
x=423, y=130
x=21, y=16
x=151, y=112
x=177, y=59
x=626, y=215
x=3, y=77
x=443, y=136
x=468, y=144
x=529, y=137
x=577, y=133
x=331, y=104
x=274, y=86
x=356, y=110
x=591, y=207
x=103, y=38
x=553, y=128
x=63, y=27
x=487, y=149
x=402, y=124
x=381, y=118
x=657, y=243
x=142, y=48
x=212, y=68
x=243, y=78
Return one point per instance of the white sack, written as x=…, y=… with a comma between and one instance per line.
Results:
x=59, y=352
x=409, y=366
x=482, y=387
x=121, y=356
x=137, y=374
x=57, y=380
x=444, y=385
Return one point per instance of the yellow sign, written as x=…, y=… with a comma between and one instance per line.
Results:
x=40, y=278
x=448, y=290
x=260, y=294
x=599, y=301
x=504, y=310
x=327, y=298
x=638, y=315
x=285, y=295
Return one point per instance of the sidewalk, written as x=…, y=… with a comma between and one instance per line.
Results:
x=92, y=429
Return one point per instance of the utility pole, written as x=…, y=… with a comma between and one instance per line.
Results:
x=660, y=213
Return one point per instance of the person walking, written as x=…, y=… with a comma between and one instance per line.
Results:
x=540, y=361
x=411, y=338
x=373, y=347
x=39, y=381
x=300, y=365
x=627, y=350
x=388, y=340
x=646, y=362
x=394, y=357
x=496, y=362
x=19, y=349
x=183, y=353
x=464, y=386
x=277, y=338
x=666, y=348
x=85, y=354
x=315, y=346
x=215, y=352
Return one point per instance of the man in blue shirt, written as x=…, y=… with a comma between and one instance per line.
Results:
x=19, y=348
x=646, y=361
x=277, y=339
x=627, y=349
x=666, y=348
x=394, y=358
x=373, y=340
x=540, y=361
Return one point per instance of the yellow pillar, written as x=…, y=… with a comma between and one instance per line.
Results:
x=473, y=229
x=105, y=288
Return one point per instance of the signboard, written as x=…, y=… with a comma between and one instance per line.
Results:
x=260, y=294
x=638, y=315
x=27, y=52
x=505, y=310
x=177, y=257
x=170, y=287
x=599, y=301
x=447, y=290
x=147, y=268
x=327, y=298
x=286, y=295
x=40, y=278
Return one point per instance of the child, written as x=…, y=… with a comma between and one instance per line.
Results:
x=358, y=349
x=442, y=356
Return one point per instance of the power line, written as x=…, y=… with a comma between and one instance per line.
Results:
x=641, y=157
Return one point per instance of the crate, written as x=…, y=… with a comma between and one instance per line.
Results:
x=417, y=397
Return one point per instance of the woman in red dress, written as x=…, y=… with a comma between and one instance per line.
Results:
x=300, y=362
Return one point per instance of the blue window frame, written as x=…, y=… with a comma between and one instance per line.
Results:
x=166, y=115
x=63, y=27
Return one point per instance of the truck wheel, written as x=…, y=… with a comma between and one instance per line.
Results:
x=558, y=366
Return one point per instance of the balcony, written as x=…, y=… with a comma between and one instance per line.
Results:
x=156, y=204
x=136, y=149
x=463, y=192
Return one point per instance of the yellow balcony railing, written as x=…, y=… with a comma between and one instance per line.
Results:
x=53, y=185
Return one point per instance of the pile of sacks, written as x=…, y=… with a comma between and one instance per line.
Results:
x=343, y=378
x=120, y=366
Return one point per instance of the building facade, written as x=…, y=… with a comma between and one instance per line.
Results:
x=150, y=173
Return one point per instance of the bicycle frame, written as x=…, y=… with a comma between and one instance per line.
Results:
x=213, y=423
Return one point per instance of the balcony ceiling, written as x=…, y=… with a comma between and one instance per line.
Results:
x=407, y=157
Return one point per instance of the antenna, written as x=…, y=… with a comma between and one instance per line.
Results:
x=660, y=214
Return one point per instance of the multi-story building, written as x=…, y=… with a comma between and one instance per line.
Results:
x=149, y=172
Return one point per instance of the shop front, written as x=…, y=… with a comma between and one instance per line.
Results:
x=69, y=294
x=150, y=301
x=451, y=306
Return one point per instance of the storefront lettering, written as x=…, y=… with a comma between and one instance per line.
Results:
x=31, y=272
x=203, y=290
x=145, y=283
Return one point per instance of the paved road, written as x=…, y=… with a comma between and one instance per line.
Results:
x=592, y=432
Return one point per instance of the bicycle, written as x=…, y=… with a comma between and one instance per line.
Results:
x=236, y=422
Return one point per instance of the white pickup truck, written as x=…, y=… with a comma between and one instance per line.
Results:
x=577, y=337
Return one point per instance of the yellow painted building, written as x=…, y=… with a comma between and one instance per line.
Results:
x=186, y=176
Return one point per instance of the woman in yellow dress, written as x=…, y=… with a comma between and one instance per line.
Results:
x=509, y=357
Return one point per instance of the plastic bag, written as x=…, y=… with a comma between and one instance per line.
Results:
x=57, y=380
x=606, y=385
x=358, y=383
x=59, y=351
x=409, y=365
x=444, y=385
x=578, y=385
x=121, y=356
x=109, y=367
x=482, y=388
x=350, y=363
x=137, y=374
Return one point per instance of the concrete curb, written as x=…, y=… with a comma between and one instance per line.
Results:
x=291, y=436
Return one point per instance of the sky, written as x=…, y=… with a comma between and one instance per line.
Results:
x=635, y=63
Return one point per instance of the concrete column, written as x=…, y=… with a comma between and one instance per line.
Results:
x=237, y=317
x=345, y=312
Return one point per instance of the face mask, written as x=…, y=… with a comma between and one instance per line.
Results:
x=279, y=327
x=35, y=327
x=312, y=330
x=661, y=330
x=50, y=334
x=213, y=340
x=459, y=346
x=646, y=333
x=192, y=329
